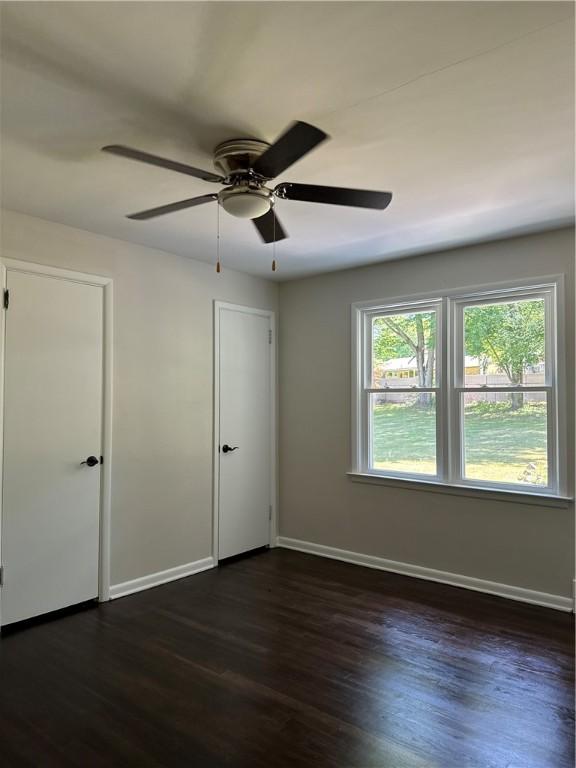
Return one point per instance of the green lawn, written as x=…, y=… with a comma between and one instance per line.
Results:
x=500, y=444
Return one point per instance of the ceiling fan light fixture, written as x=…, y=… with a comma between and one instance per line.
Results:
x=245, y=202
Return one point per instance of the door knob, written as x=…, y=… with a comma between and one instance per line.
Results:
x=229, y=448
x=91, y=461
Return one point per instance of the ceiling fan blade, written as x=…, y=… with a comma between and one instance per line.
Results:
x=162, y=162
x=294, y=143
x=311, y=193
x=171, y=207
x=269, y=227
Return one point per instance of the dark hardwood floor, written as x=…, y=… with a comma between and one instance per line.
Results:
x=286, y=659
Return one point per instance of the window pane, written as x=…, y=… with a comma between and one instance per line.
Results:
x=504, y=343
x=403, y=432
x=505, y=437
x=404, y=350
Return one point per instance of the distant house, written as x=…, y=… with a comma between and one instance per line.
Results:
x=406, y=368
x=398, y=368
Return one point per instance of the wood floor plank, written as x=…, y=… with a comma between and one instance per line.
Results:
x=289, y=660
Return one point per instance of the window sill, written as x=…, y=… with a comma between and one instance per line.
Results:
x=518, y=497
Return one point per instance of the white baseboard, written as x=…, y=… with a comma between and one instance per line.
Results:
x=162, y=577
x=558, y=602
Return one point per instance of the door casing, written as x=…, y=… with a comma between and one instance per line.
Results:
x=219, y=305
x=13, y=265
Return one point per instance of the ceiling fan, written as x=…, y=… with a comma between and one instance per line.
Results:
x=246, y=166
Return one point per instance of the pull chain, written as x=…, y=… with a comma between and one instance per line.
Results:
x=218, y=268
x=273, y=241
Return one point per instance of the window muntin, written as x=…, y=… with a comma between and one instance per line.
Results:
x=511, y=401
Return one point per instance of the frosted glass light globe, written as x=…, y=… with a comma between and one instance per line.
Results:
x=245, y=203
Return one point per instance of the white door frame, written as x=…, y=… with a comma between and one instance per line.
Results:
x=218, y=305
x=13, y=265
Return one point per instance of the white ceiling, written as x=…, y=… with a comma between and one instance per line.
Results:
x=464, y=110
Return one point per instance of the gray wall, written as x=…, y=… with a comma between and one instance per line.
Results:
x=162, y=474
x=162, y=430
x=511, y=543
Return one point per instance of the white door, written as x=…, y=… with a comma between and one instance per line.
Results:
x=52, y=423
x=245, y=437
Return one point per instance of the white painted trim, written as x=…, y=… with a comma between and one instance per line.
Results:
x=461, y=292
x=107, y=420
x=271, y=315
x=415, y=483
x=520, y=594
x=106, y=283
x=161, y=577
x=2, y=378
x=46, y=270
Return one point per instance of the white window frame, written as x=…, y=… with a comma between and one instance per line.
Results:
x=449, y=384
x=365, y=445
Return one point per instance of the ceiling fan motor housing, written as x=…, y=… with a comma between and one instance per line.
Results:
x=247, y=198
x=238, y=155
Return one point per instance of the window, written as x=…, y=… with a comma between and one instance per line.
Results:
x=401, y=399
x=461, y=389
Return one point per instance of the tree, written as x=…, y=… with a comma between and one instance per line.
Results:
x=509, y=335
x=408, y=335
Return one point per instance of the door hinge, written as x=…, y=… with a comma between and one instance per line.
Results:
x=270, y=512
x=6, y=298
x=270, y=336
x=1, y=575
